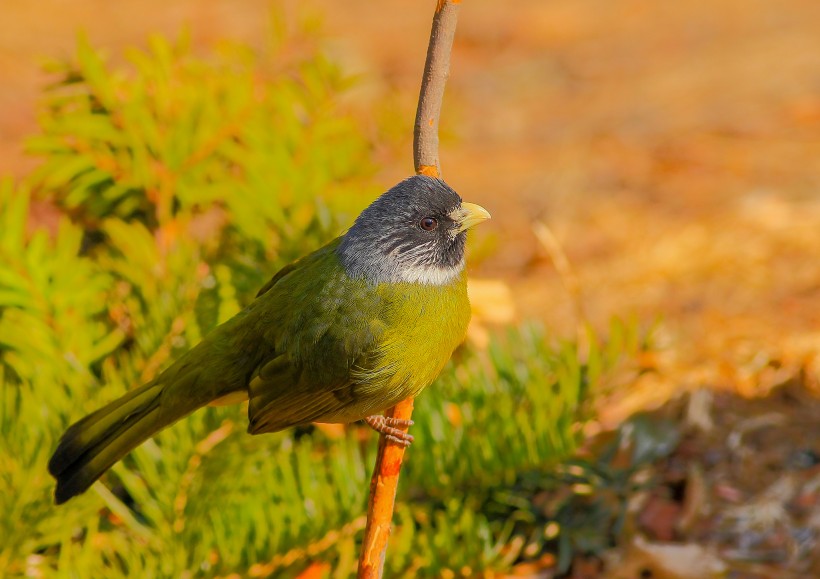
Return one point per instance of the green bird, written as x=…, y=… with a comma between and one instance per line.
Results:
x=340, y=335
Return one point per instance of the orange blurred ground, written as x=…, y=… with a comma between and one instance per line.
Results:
x=672, y=149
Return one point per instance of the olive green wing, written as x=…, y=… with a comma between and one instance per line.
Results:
x=280, y=398
x=321, y=325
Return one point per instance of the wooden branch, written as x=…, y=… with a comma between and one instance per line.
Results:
x=383, y=486
x=436, y=71
x=385, y=479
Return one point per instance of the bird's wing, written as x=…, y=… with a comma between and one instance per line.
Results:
x=282, y=400
x=320, y=324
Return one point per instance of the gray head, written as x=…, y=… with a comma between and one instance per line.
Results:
x=413, y=233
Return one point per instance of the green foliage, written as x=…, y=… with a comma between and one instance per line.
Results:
x=180, y=184
x=254, y=160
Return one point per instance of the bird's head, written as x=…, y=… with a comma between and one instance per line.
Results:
x=415, y=232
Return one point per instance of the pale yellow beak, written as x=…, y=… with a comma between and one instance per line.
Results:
x=469, y=215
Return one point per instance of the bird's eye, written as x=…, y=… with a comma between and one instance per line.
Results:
x=428, y=223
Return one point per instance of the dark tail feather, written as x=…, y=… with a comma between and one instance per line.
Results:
x=91, y=446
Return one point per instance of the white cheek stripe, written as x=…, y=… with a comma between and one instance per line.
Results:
x=428, y=274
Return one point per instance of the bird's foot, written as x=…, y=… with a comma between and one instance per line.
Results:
x=387, y=426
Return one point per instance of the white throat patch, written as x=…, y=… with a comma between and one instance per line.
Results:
x=427, y=274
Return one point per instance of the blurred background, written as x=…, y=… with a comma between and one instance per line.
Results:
x=652, y=163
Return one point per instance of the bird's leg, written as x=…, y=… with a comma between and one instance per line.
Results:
x=387, y=425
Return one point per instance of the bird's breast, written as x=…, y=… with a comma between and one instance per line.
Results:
x=423, y=326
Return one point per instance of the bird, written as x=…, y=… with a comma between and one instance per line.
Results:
x=339, y=335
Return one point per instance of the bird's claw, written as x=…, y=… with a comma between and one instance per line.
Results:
x=387, y=425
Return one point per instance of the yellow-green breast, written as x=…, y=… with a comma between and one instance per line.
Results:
x=423, y=325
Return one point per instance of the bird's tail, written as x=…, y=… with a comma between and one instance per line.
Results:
x=92, y=445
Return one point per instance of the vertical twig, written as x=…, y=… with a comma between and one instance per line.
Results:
x=436, y=71
x=385, y=478
x=383, y=485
